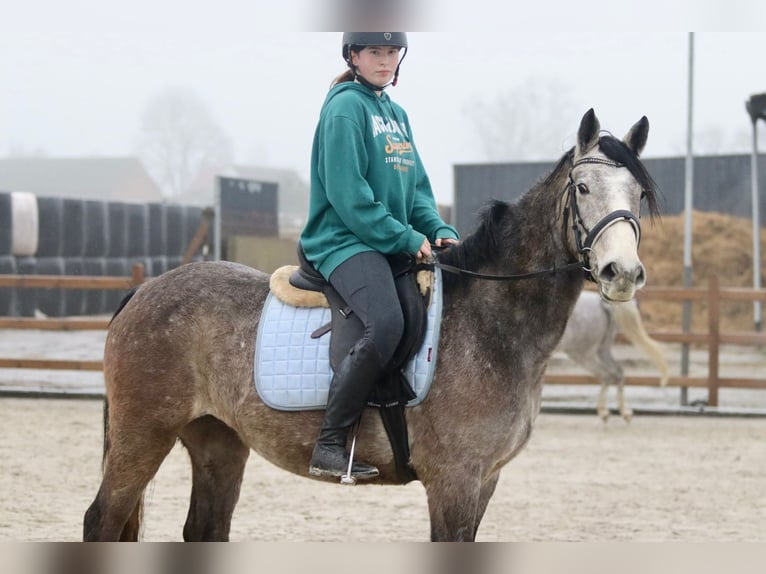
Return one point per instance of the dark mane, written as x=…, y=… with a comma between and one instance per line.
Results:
x=496, y=232
x=482, y=245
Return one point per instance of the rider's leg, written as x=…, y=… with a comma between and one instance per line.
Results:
x=367, y=285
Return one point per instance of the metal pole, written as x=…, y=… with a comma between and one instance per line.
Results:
x=688, y=202
x=217, y=220
x=756, y=225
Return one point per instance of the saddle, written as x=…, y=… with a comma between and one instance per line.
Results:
x=414, y=283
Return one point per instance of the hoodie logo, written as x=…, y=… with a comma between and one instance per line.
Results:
x=387, y=36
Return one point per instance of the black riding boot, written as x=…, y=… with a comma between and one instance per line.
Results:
x=349, y=389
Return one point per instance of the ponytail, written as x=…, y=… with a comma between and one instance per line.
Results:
x=347, y=76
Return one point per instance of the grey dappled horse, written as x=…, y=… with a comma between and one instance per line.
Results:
x=589, y=337
x=178, y=361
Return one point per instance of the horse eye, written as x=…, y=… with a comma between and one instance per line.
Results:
x=582, y=188
x=643, y=194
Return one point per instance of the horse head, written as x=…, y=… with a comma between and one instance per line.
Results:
x=606, y=184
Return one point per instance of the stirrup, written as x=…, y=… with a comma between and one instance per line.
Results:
x=361, y=471
x=353, y=471
x=348, y=478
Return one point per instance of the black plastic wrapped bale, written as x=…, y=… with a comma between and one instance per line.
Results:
x=116, y=267
x=175, y=229
x=158, y=237
x=174, y=262
x=50, y=300
x=95, y=299
x=117, y=228
x=193, y=217
x=50, y=214
x=96, y=229
x=74, y=299
x=7, y=294
x=6, y=231
x=138, y=236
x=159, y=265
x=26, y=297
x=73, y=227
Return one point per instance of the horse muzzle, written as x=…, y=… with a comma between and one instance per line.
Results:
x=618, y=280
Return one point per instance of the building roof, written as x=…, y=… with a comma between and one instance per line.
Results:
x=100, y=178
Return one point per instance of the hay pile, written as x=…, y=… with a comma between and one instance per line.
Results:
x=722, y=245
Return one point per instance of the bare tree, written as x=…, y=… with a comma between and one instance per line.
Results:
x=528, y=122
x=715, y=140
x=180, y=139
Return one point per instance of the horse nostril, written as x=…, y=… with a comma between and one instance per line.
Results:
x=641, y=276
x=608, y=273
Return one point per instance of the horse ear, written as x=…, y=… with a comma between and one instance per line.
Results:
x=587, y=135
x=636, y=136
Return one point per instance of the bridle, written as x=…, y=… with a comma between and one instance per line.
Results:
x=592, y=235
x=578, y=227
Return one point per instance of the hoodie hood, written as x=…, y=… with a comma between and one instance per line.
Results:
x=346, y=86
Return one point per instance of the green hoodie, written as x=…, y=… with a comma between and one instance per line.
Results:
x=369, y=189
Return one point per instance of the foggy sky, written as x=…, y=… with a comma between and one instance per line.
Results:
x=76, y=76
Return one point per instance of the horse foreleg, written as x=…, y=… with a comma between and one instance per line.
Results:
x=453, y=504
x=218, y=459
x=487, y=490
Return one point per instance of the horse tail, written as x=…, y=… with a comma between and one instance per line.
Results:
x=106, y=435
x=124, y=302
x=628, y=320
x=132, y=529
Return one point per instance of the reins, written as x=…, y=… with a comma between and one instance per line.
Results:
x=583, y=247
x=488, y=277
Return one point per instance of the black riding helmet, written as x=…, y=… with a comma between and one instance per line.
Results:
x=362, y=39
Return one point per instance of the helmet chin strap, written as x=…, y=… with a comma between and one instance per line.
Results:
x=370, y=85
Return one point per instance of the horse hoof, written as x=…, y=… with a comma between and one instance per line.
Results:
x=628, y=416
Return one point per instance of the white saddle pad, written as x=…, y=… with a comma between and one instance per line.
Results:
x=292, y=370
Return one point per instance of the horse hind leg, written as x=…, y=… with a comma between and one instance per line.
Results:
x=602, y=408
x=608, y=371
x=131, y=459
x=613, y=374
x=218, y=459
x=625, y=411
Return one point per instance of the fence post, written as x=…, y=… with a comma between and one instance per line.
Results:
x=137, y=274
x=714, y=337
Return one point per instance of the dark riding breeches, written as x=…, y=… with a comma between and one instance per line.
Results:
x=366, y=283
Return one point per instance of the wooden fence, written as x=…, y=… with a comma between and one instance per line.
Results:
x=714, y=294
x=66, y=324
x=712, y=339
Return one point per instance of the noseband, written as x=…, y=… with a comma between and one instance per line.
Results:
x=592, y=235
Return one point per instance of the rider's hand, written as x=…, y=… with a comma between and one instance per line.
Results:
x=445, y=241
x=425, y=249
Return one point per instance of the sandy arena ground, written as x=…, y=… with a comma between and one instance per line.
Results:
x=688, y=479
